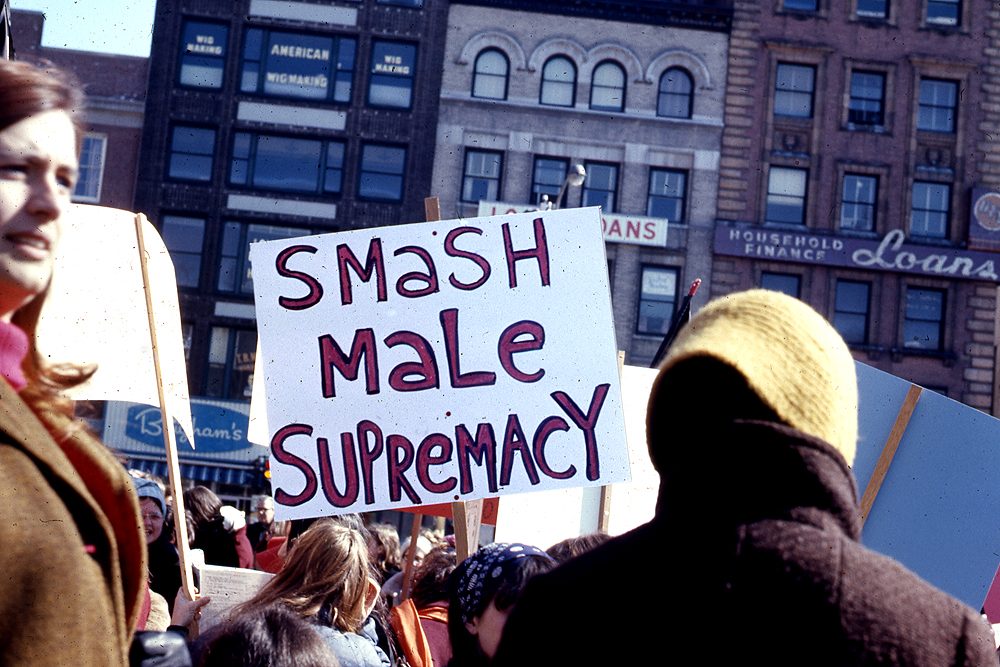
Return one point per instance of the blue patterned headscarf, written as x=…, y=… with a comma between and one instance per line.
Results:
x=488, y=564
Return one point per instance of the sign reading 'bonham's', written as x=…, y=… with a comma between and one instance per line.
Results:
x=438, y=361
x=890, y=253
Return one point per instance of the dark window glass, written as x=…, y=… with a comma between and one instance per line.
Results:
x=850, y=310
x=231, y=356
x=489, y=80
x=286, y=64
x=786, y=196
x=924, y=319
x=667, y=194
x=191, y=152
x=91, y=170
x=401, y=3
x=938, y=101
x=930, y=209
x=867, y=104
x=234, y=257
x=873, y=9
x=286, y=163
x=657, y=297
x=607, y=87
x=558, y=82
x=481, y=178
x=800, y=5
x=547, y=178
x=600, y=186
x=787, y=283
x=382, y=172
x=184, y=237
x=793, y=90
x=857, y=202
x=203, y=54
x=675, y=94
x=944, y=12
x=393, y=69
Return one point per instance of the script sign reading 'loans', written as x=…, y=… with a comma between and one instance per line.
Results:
x=438, y=361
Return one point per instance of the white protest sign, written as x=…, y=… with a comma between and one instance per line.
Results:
x=228, y=587
x=437, y=362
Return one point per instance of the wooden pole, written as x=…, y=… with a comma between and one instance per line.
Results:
x=889, y=451
x=411, y=555
x=604, y=506
x=467, y=516
x=169, y=435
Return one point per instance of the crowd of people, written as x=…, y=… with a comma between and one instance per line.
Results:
x=753, y=554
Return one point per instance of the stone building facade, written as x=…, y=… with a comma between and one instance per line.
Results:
x=859, y=143
x=631, y=92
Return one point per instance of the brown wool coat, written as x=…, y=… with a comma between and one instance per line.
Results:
x=72, y=553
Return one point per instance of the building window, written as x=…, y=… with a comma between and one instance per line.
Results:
x=203, y=54
x=381, y=174
x=944, y=12
x=401, y=3
x=800, y=5
x=558, y=82
x=657, y=297
x=873, y=9
x=923, y=322
x=852, y=303
x=938, y=101
x=285, y=163
x=786, y=283
x=930, y=209
x=786, y=196
x=91, y=172
x=857, y=202
x=489, y=78
x=667, y=194
x=607, y=87
x=600, y=186
x=234, y=257
x=793, y=90
x=184, y=237
x=231, y=356
x=391, y=82
x=191, y=152
x=547, y=178
x=286, y=64
x=676, y=94
x=481, y=178
x=867, y=104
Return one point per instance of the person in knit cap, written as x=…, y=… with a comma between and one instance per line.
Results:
x=755, y=552
x=163, y=559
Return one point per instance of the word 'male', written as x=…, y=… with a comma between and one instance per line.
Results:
x=361, y=462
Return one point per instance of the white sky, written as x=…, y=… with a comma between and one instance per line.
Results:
x=108, y=26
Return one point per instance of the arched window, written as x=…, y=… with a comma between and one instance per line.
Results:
x=489, y=79
x=558, y=82
x=676, y=92
x=607, y=87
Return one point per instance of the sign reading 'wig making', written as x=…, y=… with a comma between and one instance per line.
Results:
x=890, y=253
x=440, y=361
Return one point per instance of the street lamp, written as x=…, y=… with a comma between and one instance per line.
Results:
x=577, y=174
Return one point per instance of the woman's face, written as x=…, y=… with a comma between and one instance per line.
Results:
x=38, y=169
x=488, y=628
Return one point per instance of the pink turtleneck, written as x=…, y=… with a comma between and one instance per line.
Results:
x=13, y=349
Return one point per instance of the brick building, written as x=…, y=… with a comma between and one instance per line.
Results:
x=273, y=119
x=116, y=92
x=859, y=137
x=631, y=92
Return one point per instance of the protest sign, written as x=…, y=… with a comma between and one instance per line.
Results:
x=437, y=362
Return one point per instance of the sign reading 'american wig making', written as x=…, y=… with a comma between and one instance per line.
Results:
x=889, y=253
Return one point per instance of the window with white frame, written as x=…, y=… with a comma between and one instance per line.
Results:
x=600, y=186
x=676, y=94
x=794, y=85
x=558, y=82
x=944, y=12
x=667, y=194
x=393, y=70
x=852, y=303
x=657, y=299
x=858, y=201
x=930, y=209
x=866, y=107
x=184, y=237
x=547, y=177
x=203, y=54
x=481, y=176
x=786, y=283
x=607, y=87
x=91, y=172
x=938, y=100
x=923, y=320
x=192, y=151
x=786, y=196
x=489, y=77
x=873, y=9
x=381, y=172
x=231, y=356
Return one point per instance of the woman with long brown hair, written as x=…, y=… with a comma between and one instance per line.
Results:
x=73, y=548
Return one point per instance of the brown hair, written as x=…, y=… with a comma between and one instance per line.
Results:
x=383, y=548
x=326, y=570
x=27, y=90
x=203, y=505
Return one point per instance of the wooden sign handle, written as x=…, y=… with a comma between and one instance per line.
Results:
x=889, y=451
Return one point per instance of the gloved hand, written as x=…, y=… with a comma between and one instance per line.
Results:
x=159, y=649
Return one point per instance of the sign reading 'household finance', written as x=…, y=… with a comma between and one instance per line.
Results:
x=439, y=361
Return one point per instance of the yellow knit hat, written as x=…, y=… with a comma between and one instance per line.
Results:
x=790, y=356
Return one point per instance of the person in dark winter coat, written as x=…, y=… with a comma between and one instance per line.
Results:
x=163, y=560
x=752, y=425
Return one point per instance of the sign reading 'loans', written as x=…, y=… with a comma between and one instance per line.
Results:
x=438, y=361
